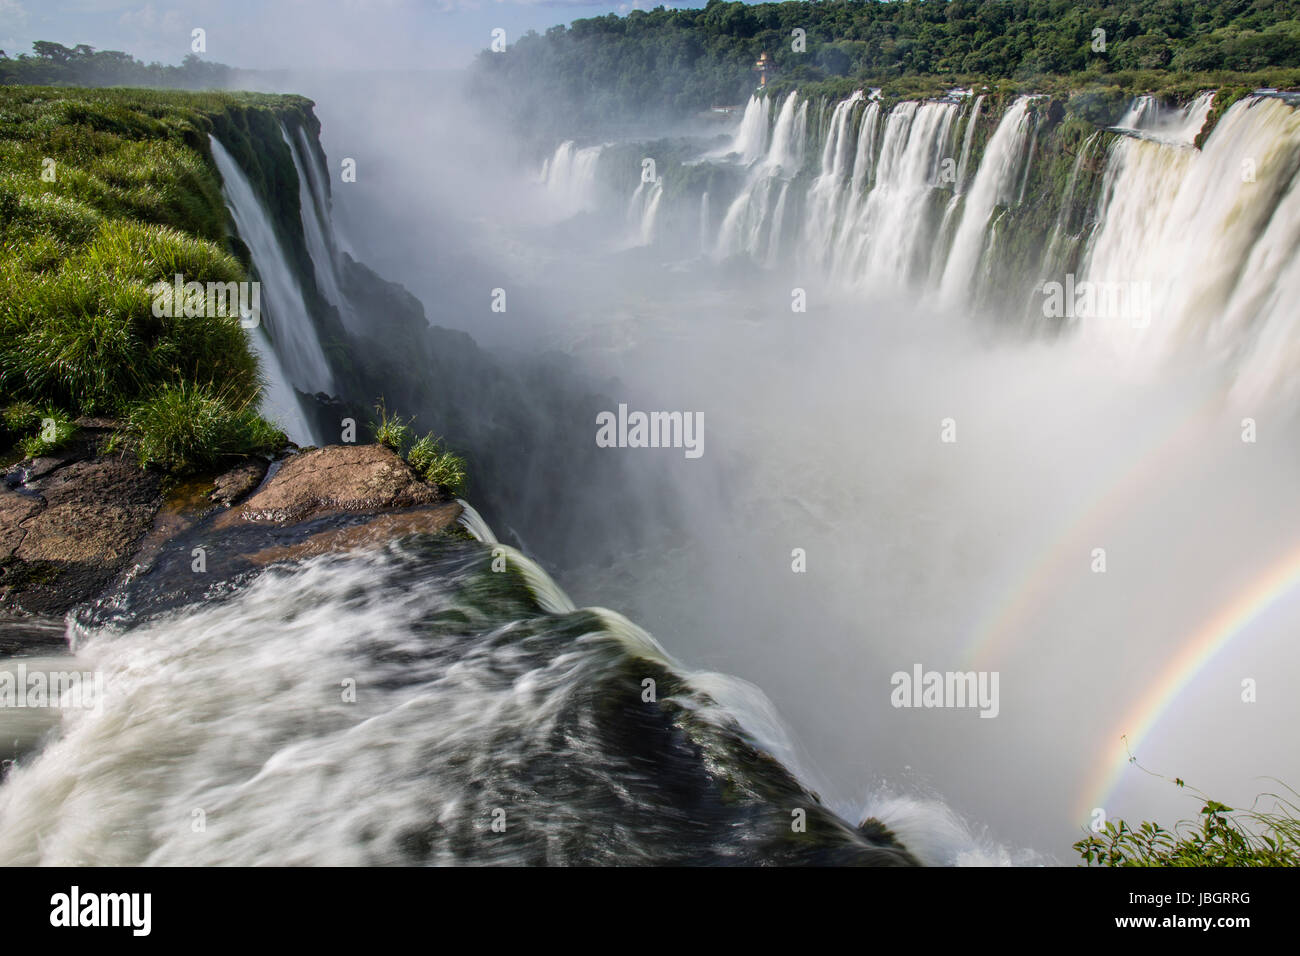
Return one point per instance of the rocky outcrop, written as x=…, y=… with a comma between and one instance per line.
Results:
x=69, y=522
x=336, y=478
x=73, y=522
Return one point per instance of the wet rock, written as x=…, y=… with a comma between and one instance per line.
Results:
x=64, y=536
x=336, y=478
x=239, y=482
x=374, y=533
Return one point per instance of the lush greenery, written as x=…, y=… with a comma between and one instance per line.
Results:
x=1221, y=836
x=53, y=64
x=427, y=457
x=104, y=193
x=669, y=62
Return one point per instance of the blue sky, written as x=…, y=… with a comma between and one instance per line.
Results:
x=270, y=34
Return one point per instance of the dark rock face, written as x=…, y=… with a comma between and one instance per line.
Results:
x=72, y=522
x=68, y=527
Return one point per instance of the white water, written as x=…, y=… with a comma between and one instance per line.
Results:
x=319, y=230
x=748, y=227
x=294, y=358
x=1174, y=125
x=925, y=550
x=569, y=176
x=1000, y=172
x=1212, y=234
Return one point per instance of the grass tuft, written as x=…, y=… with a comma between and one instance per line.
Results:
x=184, y=428
x=438, y=466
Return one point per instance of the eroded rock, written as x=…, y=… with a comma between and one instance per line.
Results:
x=336, y=478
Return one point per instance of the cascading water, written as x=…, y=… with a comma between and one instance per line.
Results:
x=1208, y=239
x=751, y=138
x=747, y=227
x=318, y=228
x=291, y=356
x=996, y=183
x=569, y=176
x=1178, y=125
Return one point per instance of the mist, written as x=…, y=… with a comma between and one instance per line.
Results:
x=824, y=432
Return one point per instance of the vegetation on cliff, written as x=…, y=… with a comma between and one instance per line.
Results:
x=671, y=62
x=1221, y=836
x=53, y=64
x=103, y=194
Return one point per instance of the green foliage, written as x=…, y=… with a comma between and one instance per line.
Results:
x=1221, y=836
x=49, y=430
x=438, y=466
x=103, y=194
x=391, y=430
x=184, y=427
x=667, y=62
x=53, y=64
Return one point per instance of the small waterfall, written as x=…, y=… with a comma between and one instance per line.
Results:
x=826, y=199
x=1052, y=254
x=751, y=138
x=964, y=162
x=997, y=182
x=643, y=211
x=318, y=229
x=291, y=354
x=570, y=178
x=1178, y=126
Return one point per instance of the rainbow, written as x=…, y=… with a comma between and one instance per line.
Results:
x=1071, y=544
x=1234, y=619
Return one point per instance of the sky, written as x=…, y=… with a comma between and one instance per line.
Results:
x=295, y=34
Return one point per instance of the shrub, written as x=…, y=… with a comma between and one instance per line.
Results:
x=392, y=431
x=437, y=465
x=184, y=427
x=1221, y=836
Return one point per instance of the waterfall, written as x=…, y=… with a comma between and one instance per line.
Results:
x=318, y=229
x=570, y=178
x=996, y=183
x=1052, y=252
x=291, y=354
x=964, y=162
x=825, y=200
x=1210, y=236
x=746, y=223
x=894, y=231
x=1150, y=120
x=643, y=211
x=751, y=138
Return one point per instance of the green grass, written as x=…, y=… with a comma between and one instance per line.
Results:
x=1220, y=836
x=104, y=193
x=392, y=431
x=438, y=466
x=427, y=456
x=184, y=428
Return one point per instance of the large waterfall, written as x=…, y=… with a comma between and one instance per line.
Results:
x=900, y=196
x=914, y=460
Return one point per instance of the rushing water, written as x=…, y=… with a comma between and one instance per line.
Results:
x=825, y=435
